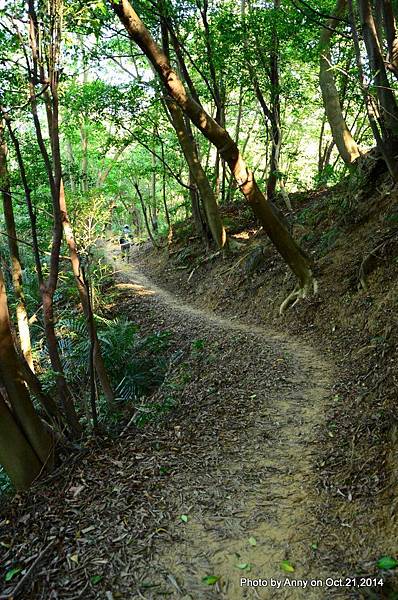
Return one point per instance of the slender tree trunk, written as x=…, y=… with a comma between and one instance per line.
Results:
x=199, y=221
x=390, y=28
x=93, y=343
x=84, y=141
x=237, y=129
x=84, y=299
x=16, y=268
x=29, y=204
x=153, y=195
x=388, y=104
x=342, y=137
x=144, y=212
x=370, y=104
x=164, y=196
x=33, y=383
x=275, y=109
x=264, y=210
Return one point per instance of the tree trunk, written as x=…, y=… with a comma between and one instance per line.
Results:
x=16, y=454
x=205, y=190
x=264, y=210
x=199, y=221
x=16, y=268
x=12, y=377
x=342, y=137
x=145, y=214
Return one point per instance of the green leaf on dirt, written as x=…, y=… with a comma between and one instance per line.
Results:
x=11, y=573
x=184, y=518
x=287, y=567
x=314, y=546
x=244, y=566
x=252, y=541
x=387, y=562
x=96, y=579
x=210, y=579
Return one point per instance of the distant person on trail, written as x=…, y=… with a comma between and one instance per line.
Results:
x=125, y=243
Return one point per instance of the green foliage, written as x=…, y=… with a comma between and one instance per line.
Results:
x=136, y=364
x=329, y=176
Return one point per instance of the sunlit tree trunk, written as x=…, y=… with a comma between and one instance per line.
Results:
x=16, y=268
x=264, y=210
x=342, y=137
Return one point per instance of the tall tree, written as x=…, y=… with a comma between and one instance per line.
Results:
x=217, y=135
x=342, y=137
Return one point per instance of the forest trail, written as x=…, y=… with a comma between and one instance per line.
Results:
x=246, y=454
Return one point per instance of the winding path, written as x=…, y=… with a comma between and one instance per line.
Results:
x=244, y=450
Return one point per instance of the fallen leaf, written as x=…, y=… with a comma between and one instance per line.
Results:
x=244, y=566
x=12, y=572
x=287, y=567
x=210, y=579
x=387, y=562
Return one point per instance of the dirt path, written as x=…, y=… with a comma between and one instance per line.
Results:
x=249, y=438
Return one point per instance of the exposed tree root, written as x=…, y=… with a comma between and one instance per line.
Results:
x=299, y=293
x=373, y=260
x=203, y=261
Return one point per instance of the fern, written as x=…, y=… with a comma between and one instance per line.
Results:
x=136, y=364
